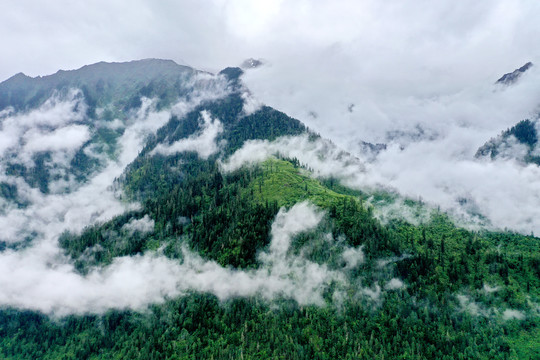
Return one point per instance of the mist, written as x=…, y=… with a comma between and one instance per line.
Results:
x=39, y=279
x=35, y=274
x=203, y=142
x=418, y=77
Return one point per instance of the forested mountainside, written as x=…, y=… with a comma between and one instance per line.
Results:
x=225, y=244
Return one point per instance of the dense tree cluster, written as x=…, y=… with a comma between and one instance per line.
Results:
x=227, y=217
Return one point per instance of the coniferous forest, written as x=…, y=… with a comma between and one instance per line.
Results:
x=417, y=287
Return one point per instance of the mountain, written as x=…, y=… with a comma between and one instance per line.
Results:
x=511, y=78
x=212, y=226
x=103, y=84
x=251, y=63
x=90, y=106
x=520, y=142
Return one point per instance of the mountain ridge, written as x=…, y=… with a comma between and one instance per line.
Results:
x=99, y=80
x=511, y=78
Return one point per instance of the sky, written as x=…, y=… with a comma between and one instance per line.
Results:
x=454, y=42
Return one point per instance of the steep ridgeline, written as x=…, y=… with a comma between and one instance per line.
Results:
x=261, y=257
x=118, y=85
x=511, y=78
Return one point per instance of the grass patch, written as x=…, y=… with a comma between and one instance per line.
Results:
x=287, y=184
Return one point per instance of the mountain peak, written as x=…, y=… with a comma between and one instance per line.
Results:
x=251, y=63
x=17, y=78
x=510, y=78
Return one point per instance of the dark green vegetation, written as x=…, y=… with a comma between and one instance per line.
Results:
x=443, y=312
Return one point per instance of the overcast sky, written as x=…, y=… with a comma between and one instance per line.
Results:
x=446, y=40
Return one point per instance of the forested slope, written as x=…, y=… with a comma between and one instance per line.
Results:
x=387, y=290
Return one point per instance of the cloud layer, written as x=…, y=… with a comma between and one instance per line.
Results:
x=51, y=285
x=34, y=272
x=203, y=142
x=465, y=187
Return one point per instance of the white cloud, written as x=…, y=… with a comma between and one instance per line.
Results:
x=321, y=155
x=458, y=184
x=49, y=215
x=37, y=127
x=203, y=142
x=400, y=65
x=394, y=284
x=143, y=225
x=65, y=140
x=39, y=278
x=490, y=289
x=510, y=314
x=251, y=104
x=470, y=306
x=353, y=257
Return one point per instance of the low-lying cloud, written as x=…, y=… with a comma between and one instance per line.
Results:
x=202, y=142
x=32, y=281
x=54, y=126
x=322, y=156
x=35, y=274
x=469, y=305
x=143, y=225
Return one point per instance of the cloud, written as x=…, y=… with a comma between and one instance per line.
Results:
x=374, y=293
x=470, y=306
x=490, y=289
x=143, y=225
x=37, y=128
x=467, y=304
x=94, y=201
x=54, y=127
x=322, y=156
x=394, y=284
x=353, y=257
x=39, y=278
x=510, y=314
x=461, y=185
x=62, y=142
x=251, y=104
x=398, y=208
x=203, y=142
x=417, y=75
